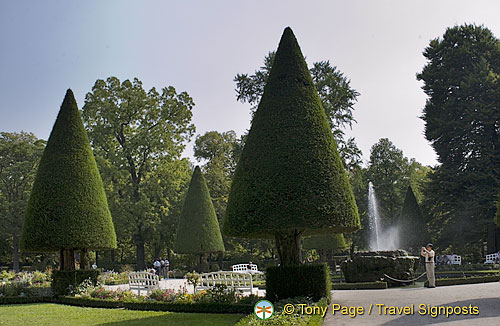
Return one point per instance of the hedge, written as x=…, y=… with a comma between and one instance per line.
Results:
x=213, y=307
x=359, y=286
x=21, y=300
x=465, y=280
x=311, y=281
x=62, y=280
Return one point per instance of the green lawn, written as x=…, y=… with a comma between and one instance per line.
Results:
x=55, y=314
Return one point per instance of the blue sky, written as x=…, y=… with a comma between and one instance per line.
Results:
x=199, y=46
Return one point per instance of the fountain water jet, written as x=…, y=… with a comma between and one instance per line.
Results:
x=379, y=239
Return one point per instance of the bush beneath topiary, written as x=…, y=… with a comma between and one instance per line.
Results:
x=311, y=281
x=64, y=281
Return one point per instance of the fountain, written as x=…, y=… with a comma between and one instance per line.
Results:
x=384, y=257
x=380, y=239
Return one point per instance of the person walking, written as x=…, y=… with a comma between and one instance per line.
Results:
x=157, y=266
x=429, y=254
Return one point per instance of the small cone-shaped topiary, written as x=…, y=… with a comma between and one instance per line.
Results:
x=413, y=233
x=68, y=207
x=290, y=181
x=335, y=242
x=198, y=231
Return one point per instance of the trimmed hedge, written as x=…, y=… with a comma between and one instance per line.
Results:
x=311, y=281
x=21, y=300
x=62, y=280
x=359, y=286
x=465, y=280
x=212, y=307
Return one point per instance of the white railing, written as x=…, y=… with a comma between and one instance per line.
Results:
x=143, y=281
x=246, y=268
x=233, y=280
x=491, y=259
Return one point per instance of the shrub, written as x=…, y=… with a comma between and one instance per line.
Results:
x=465, y=280
x=359, y=286
x=311, y=281
x=63, y=282
x=12, y=289
x=201, y=307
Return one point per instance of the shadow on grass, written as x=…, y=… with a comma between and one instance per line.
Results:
x=488, y=308
x=181, y=319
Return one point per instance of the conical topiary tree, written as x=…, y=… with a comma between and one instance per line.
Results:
x=290, y=181
x=68, y=209
x=413, y=233
x=198, y=231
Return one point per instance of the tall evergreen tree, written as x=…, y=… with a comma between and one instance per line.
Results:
x=497, y=220
x=413, y=233
x=68, y=209
x=290, y=181
x=462, y=118
x=198, y=231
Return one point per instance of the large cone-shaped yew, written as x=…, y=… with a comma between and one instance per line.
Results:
x=290, y=180
x=68, y=209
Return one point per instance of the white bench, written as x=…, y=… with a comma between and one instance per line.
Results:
x=244, y=268
x=233, y=280
x=143, y=281
x=491, y=258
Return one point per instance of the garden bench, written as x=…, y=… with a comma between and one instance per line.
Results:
x=143, y=281
x=491, y=258
x=243, y=268
x=236, y=281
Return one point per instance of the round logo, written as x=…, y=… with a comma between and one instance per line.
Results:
x=263, y=309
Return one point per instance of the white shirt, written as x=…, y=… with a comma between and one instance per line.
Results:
x=429, y=255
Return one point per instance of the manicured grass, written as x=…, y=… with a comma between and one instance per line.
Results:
x=55, y=314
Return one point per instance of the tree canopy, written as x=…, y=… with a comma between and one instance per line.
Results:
x=198, y=231
x=68, y=207
x=335, y=242
x=335, y=92
x=461, y=115
x=139, y=137
x=19, y=157
x=290, y=180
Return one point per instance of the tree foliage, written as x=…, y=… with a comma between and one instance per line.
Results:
x=289, y=180
x=68, y=207
x=334, y=90
x=140, y=137
x=19, y=157
x=413, y=233
x=335, y=242
x=462, y=122
x=198, y=231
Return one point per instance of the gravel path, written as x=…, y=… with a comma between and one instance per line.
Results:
x=486, y=297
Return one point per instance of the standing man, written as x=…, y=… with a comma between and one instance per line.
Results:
x=429, y=254
x=167, y=265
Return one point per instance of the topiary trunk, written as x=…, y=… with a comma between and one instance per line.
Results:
x=288, y=246
x=67, y=260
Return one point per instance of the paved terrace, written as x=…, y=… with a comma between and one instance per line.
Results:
x=485, y=296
